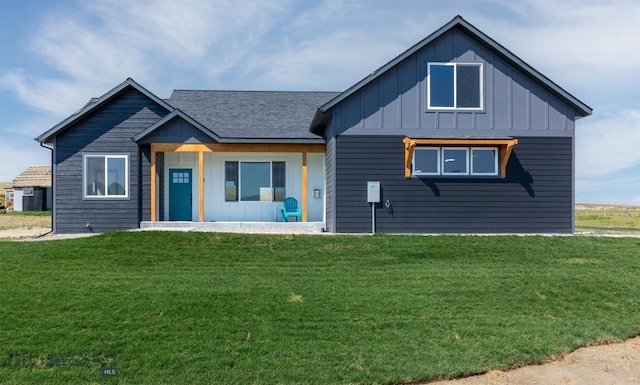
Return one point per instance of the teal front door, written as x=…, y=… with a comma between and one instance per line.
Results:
x=180, y=198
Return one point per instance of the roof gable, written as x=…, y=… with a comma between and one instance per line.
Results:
x=96, y=103
x=176, y=114
x=580, y=108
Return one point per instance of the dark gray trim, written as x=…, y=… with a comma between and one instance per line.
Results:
x=458, y=22
x=89, y=107
x=54, y=194
x=573, y=185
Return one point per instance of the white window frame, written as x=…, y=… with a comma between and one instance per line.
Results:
x=455, y=86
x=413, y=163
x=106, y=176
x=495, y=164
x=469, y=161
x=239, y=187
x=466, y=160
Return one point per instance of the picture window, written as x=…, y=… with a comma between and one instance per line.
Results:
x=106, y=176
x=255, y=181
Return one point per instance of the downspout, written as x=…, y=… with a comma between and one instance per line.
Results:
x=52, y=190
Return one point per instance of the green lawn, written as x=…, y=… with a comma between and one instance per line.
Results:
x=207, y=308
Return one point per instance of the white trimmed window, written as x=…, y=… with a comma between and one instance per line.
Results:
x=454, y=86
x=106, y=176
x=484, y=161
x=254, y=181
x=426, y=161
x=455, y=161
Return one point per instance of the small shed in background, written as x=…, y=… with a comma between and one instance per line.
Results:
x=31, y=190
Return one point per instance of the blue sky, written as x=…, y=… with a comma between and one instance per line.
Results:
x=56, y=55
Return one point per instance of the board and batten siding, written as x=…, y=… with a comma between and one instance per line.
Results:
x=106, y=131
x=535, y=197
x=396, y=102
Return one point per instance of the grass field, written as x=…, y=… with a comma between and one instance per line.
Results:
x=608, y=219
x=207, y=308
x=25, y=219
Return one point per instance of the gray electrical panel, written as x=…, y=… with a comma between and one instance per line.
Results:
x=373, y=192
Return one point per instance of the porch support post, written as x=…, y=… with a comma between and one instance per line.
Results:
x=153, y=184
x=304, y=187
x=200, y=186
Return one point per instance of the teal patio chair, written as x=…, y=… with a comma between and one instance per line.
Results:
x=291, y=209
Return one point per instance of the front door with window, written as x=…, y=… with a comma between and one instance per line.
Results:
x=180, y=195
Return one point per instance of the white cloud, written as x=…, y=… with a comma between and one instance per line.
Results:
x=101, y=43
x=54, y=96
x=608, y=143
x=585, y=46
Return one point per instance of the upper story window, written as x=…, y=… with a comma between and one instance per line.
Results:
x=454, y=86
x=106, y=176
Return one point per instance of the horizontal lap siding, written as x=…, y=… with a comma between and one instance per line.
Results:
x=144, y=198
x=536, y=196
x=329, y=193
x=108, y=130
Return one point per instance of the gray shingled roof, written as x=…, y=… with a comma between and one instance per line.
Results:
x=253, y=114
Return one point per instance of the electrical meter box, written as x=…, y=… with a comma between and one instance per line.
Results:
x=373, y=192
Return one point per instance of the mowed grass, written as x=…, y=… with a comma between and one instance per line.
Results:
x=208, y=308
x=608, y=219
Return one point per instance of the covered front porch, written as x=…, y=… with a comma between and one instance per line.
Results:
x=238, y=185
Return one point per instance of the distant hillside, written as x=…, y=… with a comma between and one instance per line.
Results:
x=607, y=219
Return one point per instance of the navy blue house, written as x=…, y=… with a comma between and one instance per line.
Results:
x=461, y=134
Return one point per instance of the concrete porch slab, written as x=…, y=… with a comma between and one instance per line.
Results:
x=238, y=227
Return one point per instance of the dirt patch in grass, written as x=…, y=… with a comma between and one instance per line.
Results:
x=579, y=261
x=23, y=232
x=615, y=364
